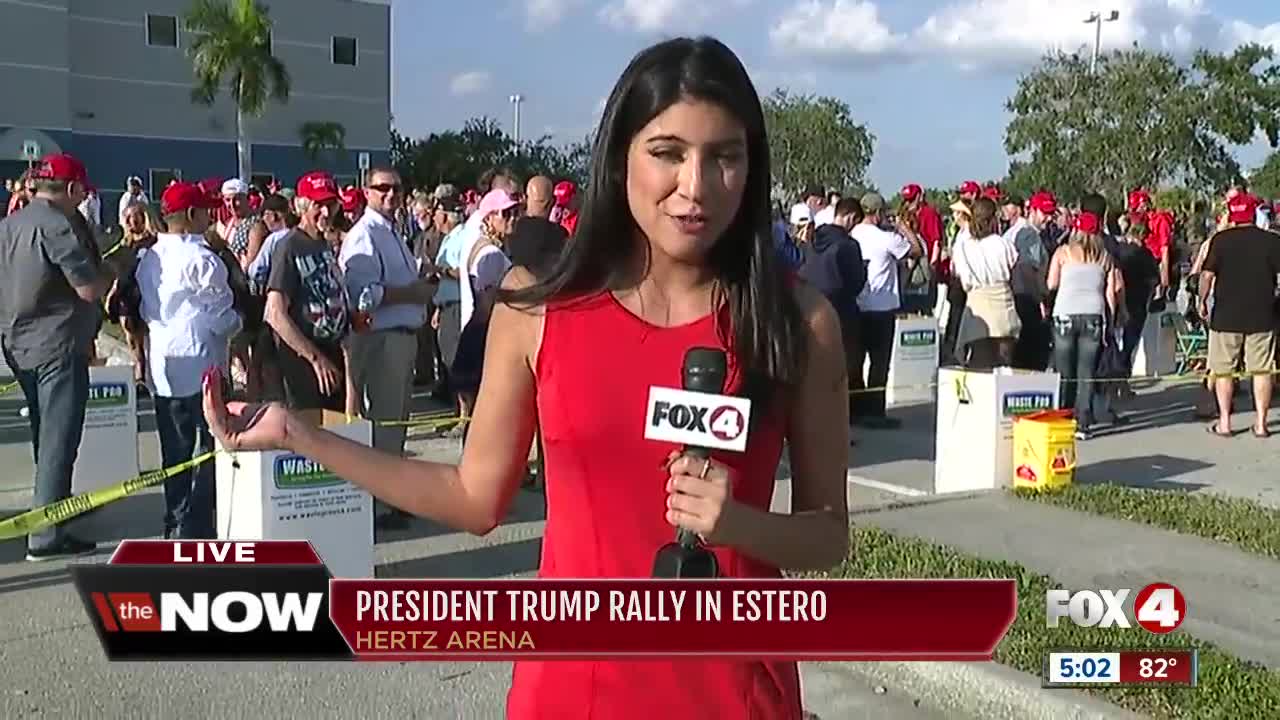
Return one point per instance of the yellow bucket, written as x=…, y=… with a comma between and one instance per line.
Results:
x=1044, y=450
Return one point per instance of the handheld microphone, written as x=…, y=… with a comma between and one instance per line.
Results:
x=704, y=371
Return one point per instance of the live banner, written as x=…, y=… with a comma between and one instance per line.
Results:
x=263, y=600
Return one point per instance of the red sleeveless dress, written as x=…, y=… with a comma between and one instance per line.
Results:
x=606, y=505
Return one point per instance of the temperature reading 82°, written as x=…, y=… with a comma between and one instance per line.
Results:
x=1155, y=667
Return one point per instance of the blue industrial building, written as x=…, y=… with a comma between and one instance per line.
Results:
x=111, y=83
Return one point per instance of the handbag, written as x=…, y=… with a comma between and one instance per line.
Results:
x=1111, y=359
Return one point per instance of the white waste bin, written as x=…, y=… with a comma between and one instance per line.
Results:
x=976, y=411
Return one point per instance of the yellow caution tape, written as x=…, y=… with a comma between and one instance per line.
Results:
x=63, y=510
x=1182, y=379
x=42, y=518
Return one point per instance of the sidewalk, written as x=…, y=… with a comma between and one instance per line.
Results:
x=1231, y=594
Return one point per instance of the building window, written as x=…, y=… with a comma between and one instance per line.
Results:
x=160, y=179
x=344, y=50
x=162, y=31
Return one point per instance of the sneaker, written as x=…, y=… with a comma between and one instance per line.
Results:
x=25, y=411
x=68, y=547
x=1083, y=435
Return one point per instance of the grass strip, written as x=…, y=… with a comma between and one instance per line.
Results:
x=1228, y=686
x=1242, y=523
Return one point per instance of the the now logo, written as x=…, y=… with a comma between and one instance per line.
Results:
x=697, y=419
x=1158, y=608
x=228, y=612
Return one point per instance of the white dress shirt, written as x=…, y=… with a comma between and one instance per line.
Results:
x=470, y=236
x=91, y=209
x=373, y=255
x=188, y=308
x=881, y=251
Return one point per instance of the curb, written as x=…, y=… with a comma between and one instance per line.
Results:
x=982, y=690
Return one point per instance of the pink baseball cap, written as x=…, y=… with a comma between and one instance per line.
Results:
x=495, y=201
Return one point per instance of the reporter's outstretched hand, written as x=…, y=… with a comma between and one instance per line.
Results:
x=243, y=426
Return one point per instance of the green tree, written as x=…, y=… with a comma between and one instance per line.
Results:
x=317, y=137
x=461, y=156
x=814, y=140
x=231, y=50
x=1265, y=181
x=1141, y=120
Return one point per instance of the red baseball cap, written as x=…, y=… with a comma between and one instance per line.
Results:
x=352, y=198
x=183, y=196
x=61, y=167
x=1045, y=202
x=1087, y=222
x=911, y=192
x=564, y=192
x=1243, y=208
x=993, y=192
x=1137, y=197
x=970, y=187
x=317, y=186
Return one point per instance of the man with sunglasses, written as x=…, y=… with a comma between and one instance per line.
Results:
x=384, y=279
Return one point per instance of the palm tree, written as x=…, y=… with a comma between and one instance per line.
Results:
x=231, y=50
x=320, y=136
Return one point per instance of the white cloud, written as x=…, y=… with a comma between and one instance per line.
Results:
x=843, y=27
x=651, y=16
x=542, y=14
x=988, y=33
x=470, y=83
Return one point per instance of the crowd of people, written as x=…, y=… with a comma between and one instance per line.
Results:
x=325, y=298
x=1032, y=283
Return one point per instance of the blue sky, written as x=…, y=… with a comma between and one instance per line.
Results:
x=929, y=77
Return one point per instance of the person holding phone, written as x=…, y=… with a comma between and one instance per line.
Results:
x=673, y=251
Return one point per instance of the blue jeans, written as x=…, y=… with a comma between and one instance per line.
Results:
x=56, y=393
x=1077, y=340
x=189, y=495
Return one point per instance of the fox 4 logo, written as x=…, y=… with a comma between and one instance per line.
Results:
x=1158, y=608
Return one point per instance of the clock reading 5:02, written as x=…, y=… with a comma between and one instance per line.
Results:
x=1083, y=667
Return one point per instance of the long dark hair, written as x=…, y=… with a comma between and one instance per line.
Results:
x=766, y=327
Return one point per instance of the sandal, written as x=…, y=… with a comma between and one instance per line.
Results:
x=1261, y=435
x=1212, y=429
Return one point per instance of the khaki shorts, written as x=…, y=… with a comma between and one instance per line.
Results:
x=1225, y=349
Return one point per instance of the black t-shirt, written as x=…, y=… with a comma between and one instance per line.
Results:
x=536, y=244
x=305, y=271
x=1245, y=261
x=1140, y=271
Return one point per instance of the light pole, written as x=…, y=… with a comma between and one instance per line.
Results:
x=515, y=102
x=1097, y=19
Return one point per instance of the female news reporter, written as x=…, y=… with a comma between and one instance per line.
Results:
x=673, y=251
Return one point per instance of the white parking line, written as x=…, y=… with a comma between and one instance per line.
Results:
x=884, y=486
